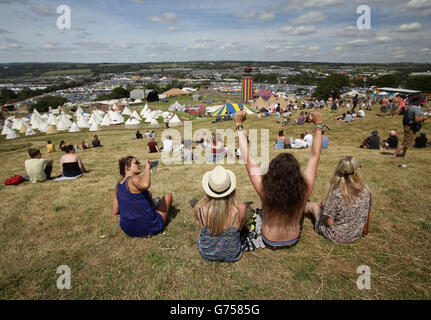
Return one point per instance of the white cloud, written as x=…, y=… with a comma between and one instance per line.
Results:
x=418, y=4
x=266, y=16
x=230, y=45
x=246, y=15
x=298, y=31
x=357, y=43
x=310, y=17
x=43, y=9
x=321, y=3
x=383, y=40
x=415, y=26
x=172, y=29
x=165, y=18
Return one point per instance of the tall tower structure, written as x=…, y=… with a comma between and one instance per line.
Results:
x=247, y=85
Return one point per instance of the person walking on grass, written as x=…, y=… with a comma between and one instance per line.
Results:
x=343, y=216
x=140, y=215
x=220, y=216
x=284, y=190
x=413, y=117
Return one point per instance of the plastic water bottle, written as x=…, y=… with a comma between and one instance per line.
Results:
x=403, y=166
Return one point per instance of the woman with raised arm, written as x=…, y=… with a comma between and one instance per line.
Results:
x=283, y=189
x=140, y=215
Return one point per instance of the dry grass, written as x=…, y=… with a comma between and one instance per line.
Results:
x=50, y=224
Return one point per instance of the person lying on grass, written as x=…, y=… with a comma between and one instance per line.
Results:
x=283, y=190
x=343, y=216
x=221, y=217
x=140, y=215
x=71, y=164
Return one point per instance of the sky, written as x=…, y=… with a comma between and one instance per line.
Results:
x=123, y=31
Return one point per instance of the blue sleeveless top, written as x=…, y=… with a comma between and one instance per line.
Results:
x=138, y=218
x=225, y=247
x=279, y=144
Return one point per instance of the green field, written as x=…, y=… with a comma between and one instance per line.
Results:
x=67, y=72
x=46, y=225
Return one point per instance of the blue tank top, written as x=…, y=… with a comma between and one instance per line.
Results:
x=138, y=218
x=279, y=144
x=224, y=247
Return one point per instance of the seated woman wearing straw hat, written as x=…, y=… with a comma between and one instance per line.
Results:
x=283, y=189
x=221, y=217
x=140, y=215
x=344, y=215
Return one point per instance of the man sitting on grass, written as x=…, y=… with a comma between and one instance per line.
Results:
x=372, y=142
x=38, y=169
x=96, y=142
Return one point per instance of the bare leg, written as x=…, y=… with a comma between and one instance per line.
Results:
x=401, y=147
x=164, y=205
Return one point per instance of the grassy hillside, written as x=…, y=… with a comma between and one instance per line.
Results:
x=43, y=226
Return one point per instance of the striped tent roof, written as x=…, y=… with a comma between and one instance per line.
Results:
x=249, y=110
x=228, y=108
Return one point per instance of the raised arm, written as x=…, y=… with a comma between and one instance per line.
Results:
x=143, y=183
x=313, y=162
x=252, y=167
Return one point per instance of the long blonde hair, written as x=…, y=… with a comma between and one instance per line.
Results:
x=346, y=178
x=218, y=211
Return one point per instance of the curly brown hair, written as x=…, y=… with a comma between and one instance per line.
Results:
x=123, y=162
x=284, y=186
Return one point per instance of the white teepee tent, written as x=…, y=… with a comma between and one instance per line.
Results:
x=61, y=125
x=74, y=128
x=12, y=135
x=126, y=112
x=174, y=121
x=106, y=122
x=136, y=116
x=94, y=127
x=30, y=132
x=154, y=124
x=83, y=123
x=43, y=126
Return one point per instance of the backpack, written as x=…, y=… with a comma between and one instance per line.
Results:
x=416, y=126
x=13, y=181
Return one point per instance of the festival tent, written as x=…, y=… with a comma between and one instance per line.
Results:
x=94, y=127
x=136, y=115
x=283, y=103
x=137, y=101
x=126, y=112
x=100, y=112
x=154, y=124
x=61, y=126
x=23, y=128
x=176, y=107
x=144, y=109
x=272, y=100
x=30, y=132
x=43, y=126
x=175, y=92
x=51, y=129
x=74, y=128
x=249, y=110
x=106, y=122
x=16, y=124
x=116, y=118
x=36, y=123
x=52, y=120
x=265, y=93
x=83, y=123
x=228, y=109
x=174, y=121
x=132, y=121
x=45, y=116
x=11, y=135
x=212, y=109
x=260, y=103
x=5, y=130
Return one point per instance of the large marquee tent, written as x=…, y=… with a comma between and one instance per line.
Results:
x=228, y=109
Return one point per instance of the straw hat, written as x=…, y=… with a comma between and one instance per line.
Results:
x=219, y=182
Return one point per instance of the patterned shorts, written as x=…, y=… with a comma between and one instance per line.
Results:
x=409, y=137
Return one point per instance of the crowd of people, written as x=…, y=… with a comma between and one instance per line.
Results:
x=284, y=190
x=222, y=217
x=71, y=166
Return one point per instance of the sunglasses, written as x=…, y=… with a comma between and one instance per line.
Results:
x=137, y=163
